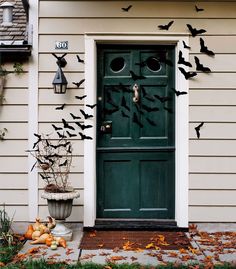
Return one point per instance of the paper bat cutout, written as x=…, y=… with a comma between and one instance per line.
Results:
x=60, y=107
x=123, y=103
x=60, y=59
x=151, y=122
x=124, y=115
x=197, y=129
x=60, y=145
x=194, y=32
x=204, y=49
x=56, y=128
x=69, y=150
x=39, y=139
x=186, y=74
x=61, y=135
x=178, y=92
x=185, y=45
x=168, y=109
x=166, y=26
x=150, y=109
x=79, y=59
x=110, y=111
x=66, y=125
x=139, y=109
x=64, y=163
x=182, y=60
x=147, y=96
x=78, y=84
x=70, y=134
x=82, y=126
x=75, y=117
x=124, y=88
x=55, y=155
x=198, y=9
x=200, y=66
x=91, y=106
x=126, y=9
x=162, y=99
x=85, y=137
x=135, y=120
x=136, y=77
x=86, y=116
x=80, y=97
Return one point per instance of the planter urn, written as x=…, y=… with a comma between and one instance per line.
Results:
x=60, y=207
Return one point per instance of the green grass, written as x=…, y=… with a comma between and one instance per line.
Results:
x=7, y=253
x=41, y=264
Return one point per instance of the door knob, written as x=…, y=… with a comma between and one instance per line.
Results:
x=136, y=93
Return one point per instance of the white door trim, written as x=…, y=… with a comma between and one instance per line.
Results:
x=181, y=121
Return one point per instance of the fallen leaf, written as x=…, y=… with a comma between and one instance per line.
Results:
x=107, y=267
x=173, y=254
x=104, y=254
x=116, y=249
x=150, y=245
x=69, y=251
x=183, y=251
x=87, y=256
x=33, y=250
x=134, y=259
x=2, y=264
x=92, y=234
x=100, y=245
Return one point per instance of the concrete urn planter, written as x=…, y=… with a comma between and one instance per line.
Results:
x=60, y=207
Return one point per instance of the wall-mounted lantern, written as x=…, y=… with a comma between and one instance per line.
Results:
x=7, y=13
x=59, y=82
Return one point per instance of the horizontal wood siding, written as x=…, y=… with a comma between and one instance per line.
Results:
x=13, y=156
x=211, y=96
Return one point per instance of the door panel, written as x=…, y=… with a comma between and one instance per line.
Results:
x=135, y=140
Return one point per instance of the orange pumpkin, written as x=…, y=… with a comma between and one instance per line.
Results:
x=29, y=232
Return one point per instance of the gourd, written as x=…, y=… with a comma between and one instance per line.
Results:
x=41, y=239
x=62, y=242
x=36, y=235
x=29, y=232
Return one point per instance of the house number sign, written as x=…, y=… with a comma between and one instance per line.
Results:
x=61, y=45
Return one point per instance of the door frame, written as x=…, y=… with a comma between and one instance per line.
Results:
x=181, y=118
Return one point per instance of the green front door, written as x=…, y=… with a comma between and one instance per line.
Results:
x=135, y=132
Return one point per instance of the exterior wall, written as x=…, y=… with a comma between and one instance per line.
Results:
x=13, y=158
x=212, y=194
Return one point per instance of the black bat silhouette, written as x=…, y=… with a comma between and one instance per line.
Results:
x=78, y=84
x=139, y=109
x=178, y=92
x=86, y=116
x=198, y=9
x=151, y=122
x=124, y=88
x=204, y=49
x=194, y=32
x=186, y=74
x=110, y=100
x=126, y=9
x=135, y=120
x=185, y=45
x=162, y=99
x=150, y=109
x=166, y=26
x=182, y=60
x=69, y=150
x=80, y=97
x=163, y=59
x=79, y=59
x=44, y=177
x=110, y=111
x=124, y=115
x=70, y=134
x=200, y=66
x=82, y=126
x=64, y=163
x=66, y=125
x=197, y=128
x=168, y=109
x=60, y=107
x=75, y=117
x=60, y=145
x=56, y=128
x=85, y=136
x=136, y=77
x=39, y=139
x=91, y=106
x=61, y=135
x=123, y=103
x=147, y=96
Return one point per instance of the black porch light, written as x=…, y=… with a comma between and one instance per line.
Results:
x=60, y=82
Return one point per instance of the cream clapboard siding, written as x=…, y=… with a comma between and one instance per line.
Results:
x=212, y=194
x=13, y=158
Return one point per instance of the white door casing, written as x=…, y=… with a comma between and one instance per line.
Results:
x=181, y=118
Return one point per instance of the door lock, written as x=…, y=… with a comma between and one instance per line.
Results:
x=136, y=93
x=106, y=127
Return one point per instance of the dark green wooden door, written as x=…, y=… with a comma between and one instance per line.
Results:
x=135, y=132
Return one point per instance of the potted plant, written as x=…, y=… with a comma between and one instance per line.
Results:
x=53, y=159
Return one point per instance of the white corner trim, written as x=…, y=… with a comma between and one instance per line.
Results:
x=181, y=163
x=33, y=112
